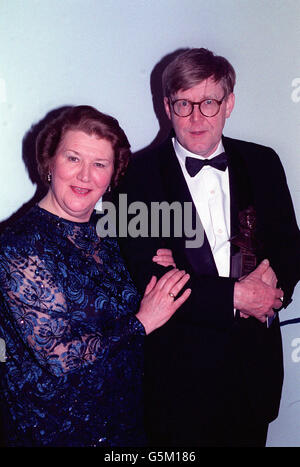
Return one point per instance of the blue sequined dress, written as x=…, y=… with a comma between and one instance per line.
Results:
x=73, y=373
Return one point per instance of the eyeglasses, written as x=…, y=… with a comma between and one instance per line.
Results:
x=208, y=107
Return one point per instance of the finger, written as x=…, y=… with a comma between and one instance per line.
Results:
x=269, y=280
x=170, y=282
x=244, y=315
x=164, y=260
x=160, y=284
x=150, y=285
x=164, y=251
x=180, y=300
x=271, y=273
x=260, y=317
x=163, y=257
x=277, y=304
x=279, y=293
x=269, y=277
x=176, y=287
x=261, y=268
x=165, y=263
x=165, y=254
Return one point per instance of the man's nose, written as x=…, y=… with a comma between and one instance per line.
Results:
x=196, y=114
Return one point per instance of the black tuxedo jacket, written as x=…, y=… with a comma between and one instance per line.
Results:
x=206, y=366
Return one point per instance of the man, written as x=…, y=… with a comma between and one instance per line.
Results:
x=213, y=373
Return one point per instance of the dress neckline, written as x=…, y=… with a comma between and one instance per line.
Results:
x=78, y=231
x=58, y=219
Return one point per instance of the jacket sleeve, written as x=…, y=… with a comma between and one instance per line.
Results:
x=277, y=225
x=208, y=293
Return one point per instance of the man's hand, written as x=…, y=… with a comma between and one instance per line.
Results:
x=164, y=257
x=256, y=294
x=269, y=277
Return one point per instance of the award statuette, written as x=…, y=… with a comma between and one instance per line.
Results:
x=244, y=260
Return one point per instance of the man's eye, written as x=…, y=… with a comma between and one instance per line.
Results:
x=184, y=103
x=99, y=164
x=208, y=101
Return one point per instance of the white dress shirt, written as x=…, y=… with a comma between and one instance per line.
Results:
x=210, y=193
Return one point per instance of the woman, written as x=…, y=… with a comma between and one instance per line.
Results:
x=71, y=318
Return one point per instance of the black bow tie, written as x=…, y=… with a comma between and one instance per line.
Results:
x=193, y=165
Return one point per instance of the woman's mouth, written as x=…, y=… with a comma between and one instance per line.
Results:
x=80, y=191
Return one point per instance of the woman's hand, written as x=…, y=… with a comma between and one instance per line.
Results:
x=164, y=257
x=158, y=303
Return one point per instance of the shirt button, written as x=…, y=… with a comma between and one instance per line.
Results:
x=220, y=231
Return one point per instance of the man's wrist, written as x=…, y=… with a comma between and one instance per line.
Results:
x=237, y=295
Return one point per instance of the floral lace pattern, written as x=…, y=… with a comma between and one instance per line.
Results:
x=74, y=346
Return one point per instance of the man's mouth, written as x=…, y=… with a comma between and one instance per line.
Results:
x=198, y=132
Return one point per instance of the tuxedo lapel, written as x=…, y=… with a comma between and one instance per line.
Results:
x=240, y=188
x=176, y=189
x=175, y=186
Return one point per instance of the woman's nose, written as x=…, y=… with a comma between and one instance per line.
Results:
x=84, y=173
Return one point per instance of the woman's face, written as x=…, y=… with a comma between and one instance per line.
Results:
x=81, y=173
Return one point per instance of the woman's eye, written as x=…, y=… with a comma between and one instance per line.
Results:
x=72, y=158
x=99, y=164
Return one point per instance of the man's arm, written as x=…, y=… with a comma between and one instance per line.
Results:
x=208, y=293
x=279, y=232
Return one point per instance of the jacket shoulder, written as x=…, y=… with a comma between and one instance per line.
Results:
x=144, y=165
x=246, y=145
x=251, y=153
x=152, y=154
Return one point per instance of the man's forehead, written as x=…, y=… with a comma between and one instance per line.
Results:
x=206, y=88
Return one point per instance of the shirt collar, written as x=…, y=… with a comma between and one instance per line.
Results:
x=182, y=153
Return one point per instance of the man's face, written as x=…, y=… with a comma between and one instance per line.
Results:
x=196, y=133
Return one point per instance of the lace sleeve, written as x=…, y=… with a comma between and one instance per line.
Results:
x=61, y=340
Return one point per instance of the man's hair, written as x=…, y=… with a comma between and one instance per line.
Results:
x=192, y=67
x=92, y=122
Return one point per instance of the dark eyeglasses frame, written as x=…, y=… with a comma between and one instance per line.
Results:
x=197, y=103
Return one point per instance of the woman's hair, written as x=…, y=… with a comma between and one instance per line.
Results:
x=192, y=67
x=92, y=122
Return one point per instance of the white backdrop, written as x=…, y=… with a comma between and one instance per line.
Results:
x=102, y=52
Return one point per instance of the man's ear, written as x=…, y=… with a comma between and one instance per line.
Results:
x=229, y=104
x=167, y=107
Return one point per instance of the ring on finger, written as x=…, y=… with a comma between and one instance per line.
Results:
x=171, y=295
